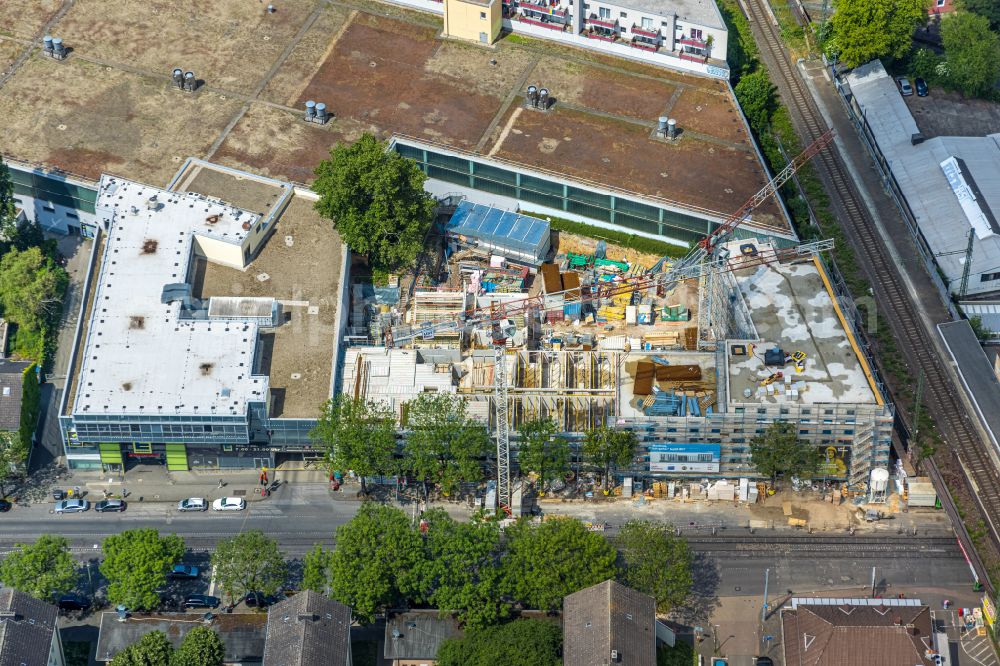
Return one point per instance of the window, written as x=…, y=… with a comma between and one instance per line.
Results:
x=940, y=3
x=624, y=15
x=73, y=216
x=985, y=277
x=664, y=24
x=696, y=34
x=604, y=12
x=647, y=23
x=482, y=15
x=50, y=209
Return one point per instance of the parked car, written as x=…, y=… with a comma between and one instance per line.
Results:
x=184, y=571
x=5, y=506
x=72, y=506
x=259, y=600
x=110, y=506
x=73, y=602
x=904, y=86
x=921, y=87
x=229, y=504
x=193, y=504
x=201, y=601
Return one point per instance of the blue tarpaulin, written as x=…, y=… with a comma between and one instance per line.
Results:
x=501, y=229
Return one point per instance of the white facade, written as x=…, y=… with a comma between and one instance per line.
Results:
x=692, y=30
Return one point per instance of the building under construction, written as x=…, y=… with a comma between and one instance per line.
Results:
x=697, y=368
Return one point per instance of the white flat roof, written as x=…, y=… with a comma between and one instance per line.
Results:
x=140, y=357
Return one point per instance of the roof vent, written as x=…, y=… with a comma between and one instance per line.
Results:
x=307, y=617
x=396, y=634
x=615, y=656
x=7, y=615
x=212, y=219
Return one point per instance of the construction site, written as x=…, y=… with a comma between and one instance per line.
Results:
x=697, y=357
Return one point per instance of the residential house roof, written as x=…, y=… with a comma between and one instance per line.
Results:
x=11, y=388
x=418, y=634
x=242, y=633
x=846, y=634
x=606, y=618
x=25, y=624
x=308, y=629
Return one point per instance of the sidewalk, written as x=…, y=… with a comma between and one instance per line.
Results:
x=153, y=483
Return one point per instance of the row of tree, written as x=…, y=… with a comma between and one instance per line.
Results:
x=863, y=30
x=136, y=564
x=383, y=561
x=443, y=445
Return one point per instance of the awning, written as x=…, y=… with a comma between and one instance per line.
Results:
x=111, y=453
x=177, y=460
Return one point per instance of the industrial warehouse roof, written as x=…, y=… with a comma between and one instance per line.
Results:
x=141, y=357
x=976, y=371
x=500, y=227
x=952, y=184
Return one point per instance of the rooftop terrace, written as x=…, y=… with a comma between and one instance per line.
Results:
x=110, y=106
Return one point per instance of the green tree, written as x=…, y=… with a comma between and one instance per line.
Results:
x=153, y=649
x=924, y=64
x=972, y=52
x=8, y=223
x=444, y=444
x=200, y=647
x=607, y=448
x=460, y=570
x=376, y=561
x=542, y=450
x=868, y=29
x=547, y=561
x=42, y=569
x=655, y=561
x=756, y=97
x=316, y=570
x=31, y=288
x=780, y=451
x=249, y=562
x=521, y=642
x=376, y=200
x=988, y=8
x=980, y=331
x=136, y=563
x=358, y=435
x=12, y=457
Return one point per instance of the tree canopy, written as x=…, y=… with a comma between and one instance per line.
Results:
x=153, y=649
x=200, y=647
x=136, y=563
x=868, y=29
x=249, y=562
x=521, y=643
x=444, y=445
x=375, y=561
x=757, y=99
x=460, y=570
x=376, y=200
x=42, y=569
x=971, y=53
x=988, y=8
x=316, y=570
x=547, y=561
x=542, y=450
x=358, y=435
x=655, y=561
x=31, y=288
x=607, y=448
x=780, y=451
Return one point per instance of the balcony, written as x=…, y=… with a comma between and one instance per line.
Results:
x=645, y=46
x=642, y=32
x=691, y=41
x=607, y=24
x=544, y=24
x=693, y=57
x=541, y=8
x=605, y=37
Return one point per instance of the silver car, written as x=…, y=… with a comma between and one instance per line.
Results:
x=193, y=504
x=904, y=86
x=72, y=506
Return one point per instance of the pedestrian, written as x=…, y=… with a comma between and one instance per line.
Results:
x=221, y=483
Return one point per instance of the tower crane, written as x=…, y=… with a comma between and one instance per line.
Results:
x=693, y=265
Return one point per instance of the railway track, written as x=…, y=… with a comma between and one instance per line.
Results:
x=890, y=293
